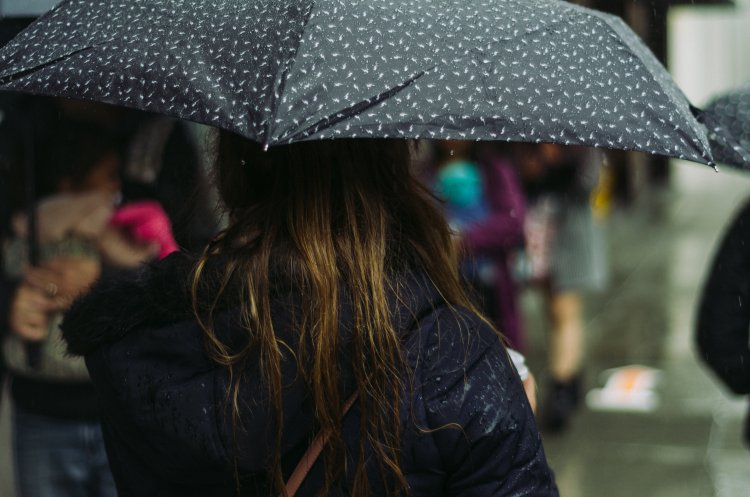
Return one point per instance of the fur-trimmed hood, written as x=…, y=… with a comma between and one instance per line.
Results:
x=158, y=295
x=152, y=296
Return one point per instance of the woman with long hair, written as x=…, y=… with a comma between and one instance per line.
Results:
x=335, y=285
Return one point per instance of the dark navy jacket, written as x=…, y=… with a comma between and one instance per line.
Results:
x=165, y=413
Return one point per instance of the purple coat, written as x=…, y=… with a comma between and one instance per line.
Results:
x=497, y=236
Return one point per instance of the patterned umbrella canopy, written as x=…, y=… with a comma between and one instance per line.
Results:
x=727, y=118
x=279, y=71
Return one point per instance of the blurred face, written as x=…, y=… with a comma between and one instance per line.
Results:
x=530, y=161
x=103, y=177
x=536, y=159
x=551, y=153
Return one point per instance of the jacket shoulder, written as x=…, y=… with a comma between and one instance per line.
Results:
x=472, y=405
x=152, y=295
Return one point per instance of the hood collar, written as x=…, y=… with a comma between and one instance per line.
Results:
x=158, y=295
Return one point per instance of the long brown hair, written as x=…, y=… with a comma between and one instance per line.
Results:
x=336, y=217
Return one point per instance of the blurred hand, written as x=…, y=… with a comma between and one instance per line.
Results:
x=121, y=250
x=29, y=313
x=63, y=279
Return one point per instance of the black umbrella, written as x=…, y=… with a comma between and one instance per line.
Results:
x=279, y=71
x=728, y=119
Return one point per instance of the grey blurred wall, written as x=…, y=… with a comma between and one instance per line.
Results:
x=708, y=49
x=25, y=8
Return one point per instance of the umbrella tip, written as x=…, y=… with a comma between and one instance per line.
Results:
x=716, y=168
x=265, y=148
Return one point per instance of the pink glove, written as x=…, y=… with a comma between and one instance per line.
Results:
x=146, y=222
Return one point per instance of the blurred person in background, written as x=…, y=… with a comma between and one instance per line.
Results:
x=564, y=256
x=160, y=159
x=58, y=446
x=723, y=319
x=483, y=202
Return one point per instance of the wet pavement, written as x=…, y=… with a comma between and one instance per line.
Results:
x=689, y=445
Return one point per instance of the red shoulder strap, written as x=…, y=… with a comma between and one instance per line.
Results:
x=311, y=455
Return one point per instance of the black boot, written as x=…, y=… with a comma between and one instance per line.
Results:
x=563, y=398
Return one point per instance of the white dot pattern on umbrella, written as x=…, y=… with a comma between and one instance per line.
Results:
x=283, y=71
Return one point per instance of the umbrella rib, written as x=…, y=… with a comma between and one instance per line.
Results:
x=17, y=74
x=281, y=79
x=635, y=45
x=353, y=110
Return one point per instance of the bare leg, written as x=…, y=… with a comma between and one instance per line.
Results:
x=566, y=345
x=566, y=335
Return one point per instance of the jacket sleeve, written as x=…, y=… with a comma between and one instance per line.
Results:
x=482, y=425
x=723, y=322
x=502, y=230
x=132, y=477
